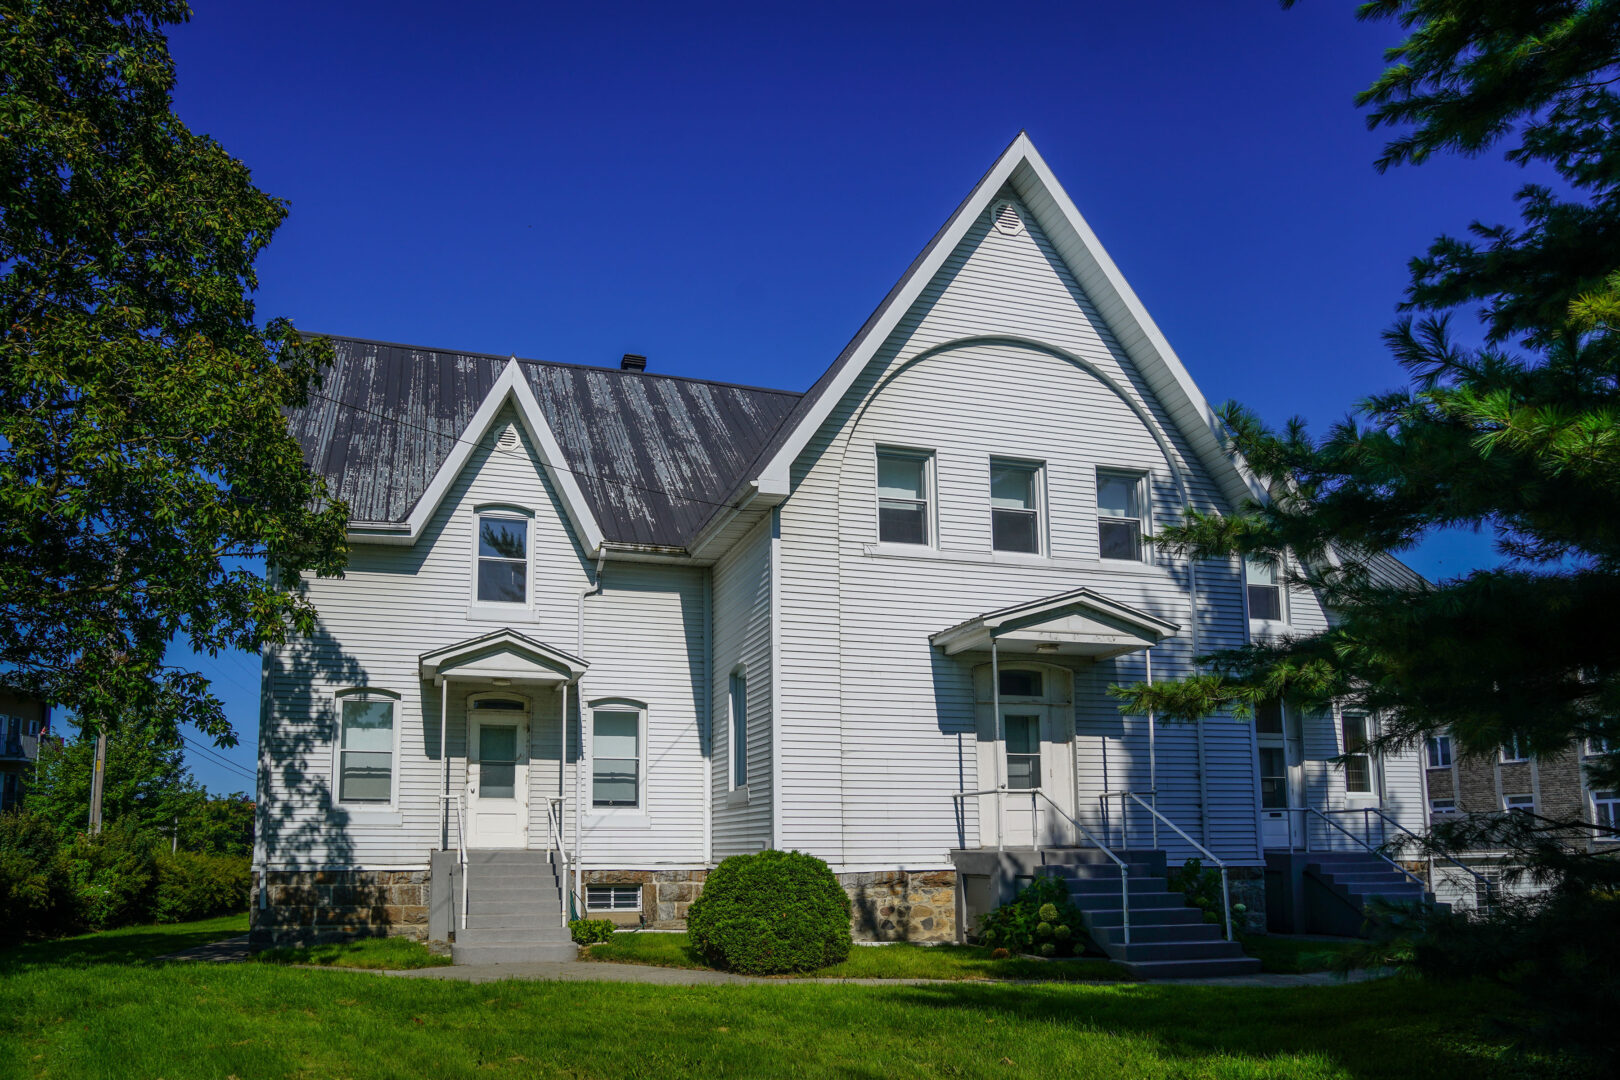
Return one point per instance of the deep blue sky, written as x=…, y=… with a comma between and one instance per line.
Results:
x=731, y=189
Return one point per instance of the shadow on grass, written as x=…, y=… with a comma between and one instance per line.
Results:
x=130, y=945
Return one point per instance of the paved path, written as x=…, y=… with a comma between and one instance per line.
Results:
x=597, y=971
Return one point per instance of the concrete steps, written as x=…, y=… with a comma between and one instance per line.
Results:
x=1339, y=886
x=514, y=911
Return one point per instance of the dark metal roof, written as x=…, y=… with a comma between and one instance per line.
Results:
x=654, y=455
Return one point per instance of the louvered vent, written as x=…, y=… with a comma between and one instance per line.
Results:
x=509, y=442
x=1005, y=215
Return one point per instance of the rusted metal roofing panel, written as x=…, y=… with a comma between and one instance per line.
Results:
x=653, y=454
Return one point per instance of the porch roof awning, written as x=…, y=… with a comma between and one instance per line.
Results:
x=1078, y=623
x=504, y=654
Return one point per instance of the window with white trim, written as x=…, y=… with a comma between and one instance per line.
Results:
x=1519, y=802
x=739, y=729
x=1439, y=807
x=1597, y=746
x=615, y=757
x=613, y=897
x=1357, y=758
x=1514, y=749
x=1121, y=521
x=1606, y=812
x=1437, y=751
x=1265, y=589
x=1015, y=514
x=902, y=489
x=503, y=559
x=366, y=750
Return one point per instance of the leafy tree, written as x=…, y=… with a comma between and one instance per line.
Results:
x=1519, y=436
x=147, y=474
x=221, y=825
x=147, y=788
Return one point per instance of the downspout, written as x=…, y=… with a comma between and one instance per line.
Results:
x=1153, y=753
x=444, y=761
x=1001, y=741
x=776, y=677
x=706, y=730
x=595, y=589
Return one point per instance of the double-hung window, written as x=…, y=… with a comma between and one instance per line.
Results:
x=1597, y=746
x=1514, y=749
x=1606, y=812
x=1357, y=758
x=1437, y=748
x=902, y=489
x=739, y=730
x=1120, y=521
x=615, y=757
x=366, y=751
x=1015, y=517
x=1265, y=593
x=503, y=559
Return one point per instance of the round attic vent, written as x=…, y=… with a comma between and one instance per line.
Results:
x=509, y=442
x=1005, y=216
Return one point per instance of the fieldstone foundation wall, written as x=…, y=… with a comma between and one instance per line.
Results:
x=665, y=895
x=1248, y=884
x=305, y=906
x=902, y=905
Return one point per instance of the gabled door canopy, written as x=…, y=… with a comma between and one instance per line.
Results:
x=504, y=654
x=1078, y=623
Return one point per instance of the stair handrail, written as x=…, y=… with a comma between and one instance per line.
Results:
x=1354, y=839
x=459, y=802
x=1479, y=877
x=1220, y=863
x=1035, y=839
x=554, y=826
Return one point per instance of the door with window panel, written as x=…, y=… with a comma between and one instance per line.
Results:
x=497, y=774
x=1276, y=732
x=1031, y=751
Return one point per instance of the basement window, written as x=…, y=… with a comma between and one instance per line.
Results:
x=613, y=897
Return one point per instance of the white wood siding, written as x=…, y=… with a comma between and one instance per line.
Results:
x=742, y=642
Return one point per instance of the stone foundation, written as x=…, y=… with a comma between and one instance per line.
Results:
x=666, y=895
x=902, y=905
x=306, y=906
x=1248, y=885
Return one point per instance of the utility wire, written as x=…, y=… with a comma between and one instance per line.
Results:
x=219, y=760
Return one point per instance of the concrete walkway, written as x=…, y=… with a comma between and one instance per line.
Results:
x=598, y=971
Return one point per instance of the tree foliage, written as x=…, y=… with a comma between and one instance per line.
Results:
x=1519, y=436
x=147, y=475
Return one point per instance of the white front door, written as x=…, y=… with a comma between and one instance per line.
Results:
x=497, y=776
x=1037, y=770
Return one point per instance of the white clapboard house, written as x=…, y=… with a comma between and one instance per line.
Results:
x=602, y=628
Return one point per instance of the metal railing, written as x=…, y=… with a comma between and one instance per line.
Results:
x=1036, y=794
x=565, y=875
x=1364, y=844
x=1383, y=840
x=460, y=804
x=1125, y=834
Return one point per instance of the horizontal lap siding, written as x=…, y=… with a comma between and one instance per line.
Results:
x=742, y=639
x=859, y=675
x=395, y=603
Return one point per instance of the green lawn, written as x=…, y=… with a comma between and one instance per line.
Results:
x=130, y=945
x=111, y=1013
x=1292, y=956
x=871, y=962
x=379, y=954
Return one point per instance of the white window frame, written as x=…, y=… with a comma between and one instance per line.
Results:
x=1609, y=798
x=502, y=609
x=1509, y=804
x=1433, y=742
x=1279, y=569
x=643, y=757
x=1037, y=495
x=614, y=888
x=1436, y=810
x=930, y=496
x=359, y=810
x=737, y=749
x=1371, y=791
x=1144, y=505
x=1514, y=745
x=1597, y=746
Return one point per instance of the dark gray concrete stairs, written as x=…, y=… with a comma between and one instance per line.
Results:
x=1338, y=886
x=514, y=910
x=1169, y=937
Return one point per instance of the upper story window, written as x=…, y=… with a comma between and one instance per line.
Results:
x=616, y=757
x=903, y=484
x=1526, y=803
x=1015, y=517
x=366, y=750
x=1437, y=749
x=503, y=559
x=1597, y=746
x=1357, y=757
x=1265, y=593
x=1443, y=806
x=1515, y=749
x=739, y=730
x=1268, y=717
x=1606, y=812
x=1120, y=520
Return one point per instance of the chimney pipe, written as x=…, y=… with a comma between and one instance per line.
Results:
x=633, y=362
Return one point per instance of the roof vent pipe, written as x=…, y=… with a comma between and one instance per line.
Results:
x=632, y=362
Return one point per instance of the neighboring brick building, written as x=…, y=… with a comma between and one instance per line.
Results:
x=1552, y=785
x=23, y=722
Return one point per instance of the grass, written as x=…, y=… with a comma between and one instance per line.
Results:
x=886, y=962
x=1294, y=956
x=127, y=945
x=377, y=954
x=105, y=1017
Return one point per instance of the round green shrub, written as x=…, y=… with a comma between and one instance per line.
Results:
x=771, y=913
x=590, y=931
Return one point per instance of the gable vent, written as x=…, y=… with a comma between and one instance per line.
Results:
x=509, y=441
x=1005, y=216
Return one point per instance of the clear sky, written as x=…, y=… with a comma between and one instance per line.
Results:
x=730, y=190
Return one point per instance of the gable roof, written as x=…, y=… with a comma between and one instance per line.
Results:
x=652, y=455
